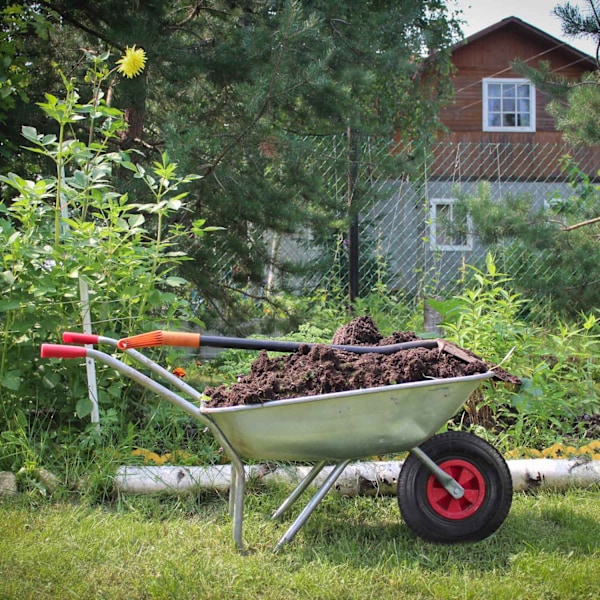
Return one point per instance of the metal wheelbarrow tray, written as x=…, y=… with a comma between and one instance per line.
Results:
x=344, y=425
x=452, y=487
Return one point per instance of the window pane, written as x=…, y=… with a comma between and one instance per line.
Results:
x=450, y=226
x=523, y=106
x=509, y=120
x=442, y=222
x=508, y=105
x=523, y=90
x=524, y=121
x=494, y=90
x=509, y=90
x=494, y=120
x=494, y=105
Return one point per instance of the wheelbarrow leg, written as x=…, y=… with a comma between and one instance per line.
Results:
x=232, y=488
x=308, y=479
x=312, y=504
x=236, y=502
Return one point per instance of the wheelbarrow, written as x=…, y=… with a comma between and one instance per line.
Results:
x=452, y=487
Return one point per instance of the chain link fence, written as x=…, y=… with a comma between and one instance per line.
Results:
x=410, y=234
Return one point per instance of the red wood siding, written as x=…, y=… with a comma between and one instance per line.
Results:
x=523, y=161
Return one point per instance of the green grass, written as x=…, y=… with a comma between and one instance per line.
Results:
x=167, y=547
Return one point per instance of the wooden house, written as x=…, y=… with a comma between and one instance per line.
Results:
x=493, y=105
x=498, y=133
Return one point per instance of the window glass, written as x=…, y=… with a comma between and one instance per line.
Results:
x=450, y=226
x=495, y=90
x=508, y=105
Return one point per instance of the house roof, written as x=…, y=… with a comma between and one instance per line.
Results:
x=579, y=56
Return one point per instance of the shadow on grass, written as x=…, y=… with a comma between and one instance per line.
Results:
x=369, y=531
x=340, y=538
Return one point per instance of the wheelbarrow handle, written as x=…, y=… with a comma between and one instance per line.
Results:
x=71, y=337
x=62, y=351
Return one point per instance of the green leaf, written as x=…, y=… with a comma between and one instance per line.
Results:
x=129, y=165
x=84, y=407
x=51, y=380
x=6, y=305
x=175, y=281
x=48, y=139
x=115, y=389
x=174, y=204
x=11, y=380
x=136, y=221
x=79, y=179
x=52, y=100
x=30, y=133
x=8, y=278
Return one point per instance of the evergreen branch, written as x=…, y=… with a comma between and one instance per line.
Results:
x=262, y=110
x=193, y=12
x=261, y=297
x=65, y=14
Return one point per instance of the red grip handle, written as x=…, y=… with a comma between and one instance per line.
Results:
x=71, y=337
x=60, y=351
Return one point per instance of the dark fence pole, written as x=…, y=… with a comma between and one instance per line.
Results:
x=353, y=231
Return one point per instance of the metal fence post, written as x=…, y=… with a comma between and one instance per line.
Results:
x=353, y=231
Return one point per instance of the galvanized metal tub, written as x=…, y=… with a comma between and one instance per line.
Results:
x=344, y=425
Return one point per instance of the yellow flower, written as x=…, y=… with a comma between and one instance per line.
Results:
x=132, y=62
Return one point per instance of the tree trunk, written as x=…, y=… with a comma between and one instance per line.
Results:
x=364, y=478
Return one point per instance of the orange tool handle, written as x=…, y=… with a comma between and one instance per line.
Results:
x=160, y=338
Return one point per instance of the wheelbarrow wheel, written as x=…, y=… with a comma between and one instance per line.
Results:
x=432, y=513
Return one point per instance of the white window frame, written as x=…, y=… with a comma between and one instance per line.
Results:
x=532, y=105
x=443, y=246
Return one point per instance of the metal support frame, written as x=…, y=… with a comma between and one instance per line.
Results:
x=313, y=503
x=448, y=483
x=310, y=477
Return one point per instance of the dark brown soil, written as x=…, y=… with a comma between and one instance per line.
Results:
x=320, y=369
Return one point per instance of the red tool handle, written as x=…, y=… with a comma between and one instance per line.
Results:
x=71, y=337
x=60, y=351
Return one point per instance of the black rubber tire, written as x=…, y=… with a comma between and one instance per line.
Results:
x=447, y=521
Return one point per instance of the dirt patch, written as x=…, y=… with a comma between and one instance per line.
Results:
x=320, y=369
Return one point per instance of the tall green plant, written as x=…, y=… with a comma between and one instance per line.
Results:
x=558, y=365
x=72, y=225
x=485, y=317
x=561, y=382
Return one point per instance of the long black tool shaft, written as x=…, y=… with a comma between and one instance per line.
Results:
x=282, y=346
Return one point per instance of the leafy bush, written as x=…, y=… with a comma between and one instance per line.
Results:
x=557, y=363
x=70, y=234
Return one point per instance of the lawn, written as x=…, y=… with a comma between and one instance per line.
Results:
x=167, y=547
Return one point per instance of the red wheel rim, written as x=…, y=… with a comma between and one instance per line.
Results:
x=471, y=480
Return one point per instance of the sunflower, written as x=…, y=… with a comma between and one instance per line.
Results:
x=132, y=62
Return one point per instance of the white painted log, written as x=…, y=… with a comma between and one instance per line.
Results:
x=150, y=479
x=544, y=473
x=364, y=478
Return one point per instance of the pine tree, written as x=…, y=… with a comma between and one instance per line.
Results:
x=233, y=89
